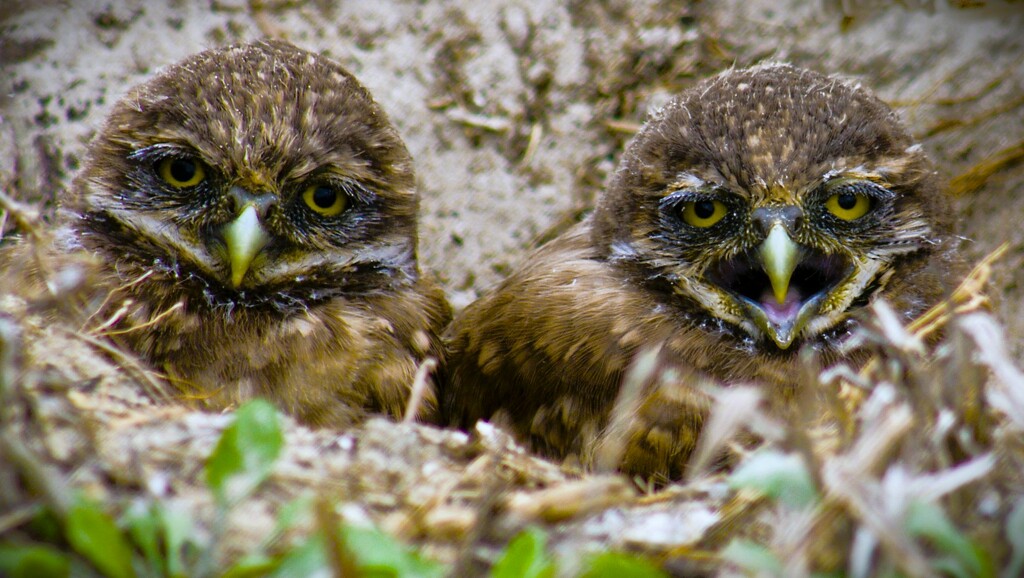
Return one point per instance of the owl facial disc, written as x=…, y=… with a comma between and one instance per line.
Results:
x=780, y=284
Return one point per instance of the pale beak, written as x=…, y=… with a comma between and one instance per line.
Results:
x=245, y=237
x=779, y=257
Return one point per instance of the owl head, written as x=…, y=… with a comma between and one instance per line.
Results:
x=772, y=203
x=256, y=175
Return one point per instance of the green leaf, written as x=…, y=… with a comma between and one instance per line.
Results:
x=377, y=554
x=289, y=514
x=144, y=526
x=1015, y=534
x=929, y=521
x=178, y=532
x=251, y=566
x=751, y=557
x=161, y=535
x=524, y=557
x=246, y=452
x=46, y=527
x=307, y=560
x=93, y=534
x=781, y=477
x=29, y=561
x=616, y=564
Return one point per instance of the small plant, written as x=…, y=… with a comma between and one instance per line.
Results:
x=152, y=540
x=526, y=556
x=785, y=480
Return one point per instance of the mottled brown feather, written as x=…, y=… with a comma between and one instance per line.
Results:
x=546, y=351
x=333, y=316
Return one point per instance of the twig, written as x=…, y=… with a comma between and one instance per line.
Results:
x=126, y=361
x=339, y=556
x=488, y=123
x=18, y=516
x=610, y=446
x=25, y=216
x=419, y=388
x=622, y=126
x=41, y=477
x=976, y=177
x=536, y=133
x=149, y=323
x=494, y=486
x=968, y=296
x=111, y=293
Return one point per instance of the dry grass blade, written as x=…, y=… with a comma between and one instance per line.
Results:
x=101, y=330
x=734, y=409
x=572, y=499
x=18, y=516
x=536, y=134
x=976, y=177
x=26, y=216
x=154, y=386
x=968, y=296
x=611, y=445
x=930, y=487
x=340, y=559
x=1007, y=393
x=847, y=482
x=622, y=126
x=43, y=478
x=419, y=389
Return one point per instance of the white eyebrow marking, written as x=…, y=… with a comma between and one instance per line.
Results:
x=685, y=180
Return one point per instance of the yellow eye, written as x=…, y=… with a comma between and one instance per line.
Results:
x=325, y=200
x=848, y=206
x=181, y=172
x=703, y=214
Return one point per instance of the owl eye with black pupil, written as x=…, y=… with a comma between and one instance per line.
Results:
x=181, y=172
x=703, y=213
x=324, y=200
x=848, y=205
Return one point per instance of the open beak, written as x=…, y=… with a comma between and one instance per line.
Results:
x=780, y=284
x=783, y=319
x=244, y=237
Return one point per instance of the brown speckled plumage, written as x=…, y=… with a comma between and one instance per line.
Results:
x=768, y=152
x=324, y=314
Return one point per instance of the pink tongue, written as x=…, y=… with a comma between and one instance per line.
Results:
x=779, y=313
